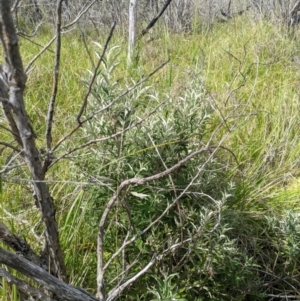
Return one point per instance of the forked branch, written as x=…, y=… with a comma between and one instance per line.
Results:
x=95, y=113
x=141, y=181
x=16, y=81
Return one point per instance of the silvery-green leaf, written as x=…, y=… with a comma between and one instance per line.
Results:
x=139, y=195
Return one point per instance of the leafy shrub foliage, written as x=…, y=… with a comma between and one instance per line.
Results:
x=224, y=253
x=220, y=240
x=178, y=127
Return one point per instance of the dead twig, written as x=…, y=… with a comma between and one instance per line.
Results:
x=47, y=281
x=83, y=11
x=24, y=287
x=10, y=146
x=45, y=48
x=114, y=293
x=55, y=80
x=154, y=20
x=172, y=183
x=79, y=125
x=95, y=141
x=91, y=83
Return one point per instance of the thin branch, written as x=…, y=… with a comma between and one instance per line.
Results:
x=47, y=281
x=137, y=181
x=55, y=78
x=124, y=271
x=283, y=296
x=91, y=142
x=18, y=245
x=10, y=146
x=89, y=90
x=80, y=14
x=115, y=292
x=294, y=14
x=176, y=246
x=8, y=168
x=20, y=221
x=154, y=20
x=230, y=151
x=24, y=287
x=15, y=5
x=125, y=268
x=108, y=106
x=39, y=54
x=4, y=99
x=83, y=35
x=7, y=129
x=172, y=183
x=26, y=36
x=81, y=183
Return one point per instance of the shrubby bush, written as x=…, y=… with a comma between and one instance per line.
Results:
x=228, y=253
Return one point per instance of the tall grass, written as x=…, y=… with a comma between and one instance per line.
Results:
x=252, y=77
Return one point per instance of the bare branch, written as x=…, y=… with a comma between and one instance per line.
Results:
x=46, y=47
x=47, y=281
x=124, y=271
x=10, y=146
x=85, y=100
x=55, y=79
x=18, y=245
x=294, y=14
x=154, y=20
x=15, y=5
x=107, y=107
x=115, y=292
x=4, y=97
x=91, y=142
x=80, y=14
x=20, y=221
x=7, y=129
x=8, y=168
x=33, y=33
x=24, y=287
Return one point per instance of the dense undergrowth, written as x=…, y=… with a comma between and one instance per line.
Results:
x=240, y=80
